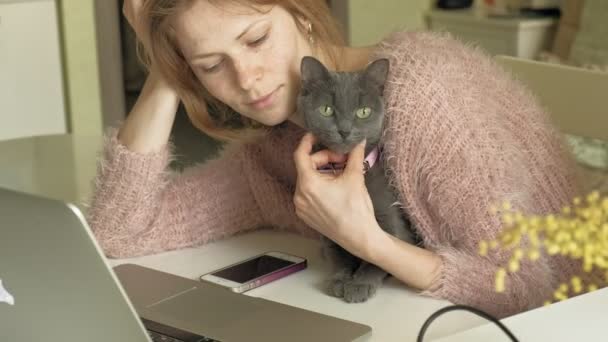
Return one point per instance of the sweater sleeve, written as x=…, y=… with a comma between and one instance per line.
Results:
x=461, y=137
x=458, y=208
x=139, y=207
x=272, y=179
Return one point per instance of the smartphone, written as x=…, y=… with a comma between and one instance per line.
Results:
x=256, y=271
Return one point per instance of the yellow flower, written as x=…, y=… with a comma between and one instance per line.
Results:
x=579, y=232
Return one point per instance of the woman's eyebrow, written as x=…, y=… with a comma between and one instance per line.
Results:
x=247, y=29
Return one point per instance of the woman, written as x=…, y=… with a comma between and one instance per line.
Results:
x=460, y=136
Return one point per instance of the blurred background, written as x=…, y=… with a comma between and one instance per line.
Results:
x=70, y=66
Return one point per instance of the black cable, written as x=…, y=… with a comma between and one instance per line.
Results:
x=478, y=312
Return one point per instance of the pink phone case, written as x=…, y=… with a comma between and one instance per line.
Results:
x=278, y=274
x=265, y=279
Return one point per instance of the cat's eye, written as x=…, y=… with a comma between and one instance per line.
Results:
x=363, y=113
x=326, y=110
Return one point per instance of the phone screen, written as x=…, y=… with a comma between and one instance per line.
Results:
x=253, y=268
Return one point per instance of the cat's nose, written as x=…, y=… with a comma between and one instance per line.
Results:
x=344, y=134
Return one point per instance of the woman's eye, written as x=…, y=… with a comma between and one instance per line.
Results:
x=258, y=41
x=364, y=113
x=213, y=68
x=326, y=110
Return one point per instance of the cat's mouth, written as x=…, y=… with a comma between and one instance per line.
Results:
x=338, y=144
x=342, y=148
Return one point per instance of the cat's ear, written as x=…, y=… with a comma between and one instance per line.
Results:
x=312, y=70
x=376, y=73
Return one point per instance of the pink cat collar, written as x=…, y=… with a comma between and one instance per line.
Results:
x=370, y=160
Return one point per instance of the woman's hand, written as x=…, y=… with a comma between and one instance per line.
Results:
x=131, y=9
x=337, y=206
x=148, y=125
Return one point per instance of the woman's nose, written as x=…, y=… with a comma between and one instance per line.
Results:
x=247, y=74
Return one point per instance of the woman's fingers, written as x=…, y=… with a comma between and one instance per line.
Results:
x=325, y=157
x=302, y=157
x=354, y=167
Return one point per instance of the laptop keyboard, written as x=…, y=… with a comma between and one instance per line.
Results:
x=158, y=337
x=162, y=333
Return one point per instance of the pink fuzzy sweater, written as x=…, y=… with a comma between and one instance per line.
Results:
x=460, y=136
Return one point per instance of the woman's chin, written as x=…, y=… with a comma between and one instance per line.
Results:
x=272, y=119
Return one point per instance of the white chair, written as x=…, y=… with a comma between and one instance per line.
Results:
x=576, y=98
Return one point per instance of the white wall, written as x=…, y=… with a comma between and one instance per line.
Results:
x=31, y=82
x=366, y=21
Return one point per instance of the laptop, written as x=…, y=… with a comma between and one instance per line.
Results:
x=56, y=285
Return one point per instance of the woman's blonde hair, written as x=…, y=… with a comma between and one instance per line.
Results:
x=207, y=114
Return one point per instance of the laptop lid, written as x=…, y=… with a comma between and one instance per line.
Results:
x=214, y=311
x=56, y=284
x=60, y=287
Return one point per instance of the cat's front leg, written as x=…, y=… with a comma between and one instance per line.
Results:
x=344, y=265
x=364, y=283
x=338, y=280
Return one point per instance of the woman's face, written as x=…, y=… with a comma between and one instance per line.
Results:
x=248, y=59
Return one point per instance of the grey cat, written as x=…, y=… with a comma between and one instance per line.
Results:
x=341, y=109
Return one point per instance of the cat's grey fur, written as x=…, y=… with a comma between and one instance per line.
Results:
x=355, y=280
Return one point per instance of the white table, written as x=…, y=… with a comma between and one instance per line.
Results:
x=582, y=318
x=395, y=313
x=58, y=166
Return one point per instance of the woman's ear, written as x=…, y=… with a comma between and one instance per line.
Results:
x=306, y=28
x=303, y=23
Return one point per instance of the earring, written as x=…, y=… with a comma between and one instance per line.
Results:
x=311, y=38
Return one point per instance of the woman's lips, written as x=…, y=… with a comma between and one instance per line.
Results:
x=264, y=102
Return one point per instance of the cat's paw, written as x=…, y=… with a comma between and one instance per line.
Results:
x=358, y=292
x=336, y=284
